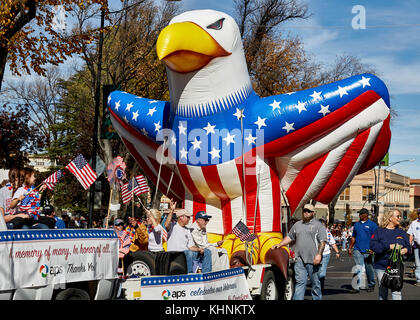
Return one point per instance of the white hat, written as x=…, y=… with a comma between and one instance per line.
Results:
x=309, y=207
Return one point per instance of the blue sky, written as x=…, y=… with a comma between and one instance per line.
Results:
x=390, y=43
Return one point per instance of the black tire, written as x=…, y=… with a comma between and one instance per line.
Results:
x=269, y=289
x=72, y=294
x=140, y=263
x=289, y=289
x=178, y=264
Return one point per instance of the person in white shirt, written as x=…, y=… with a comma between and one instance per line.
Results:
x=331, y=243
x=157, y=234
x=219, y=256
x=180, y=239
x=414, y=237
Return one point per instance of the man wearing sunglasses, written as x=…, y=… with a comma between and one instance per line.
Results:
x=180, y=239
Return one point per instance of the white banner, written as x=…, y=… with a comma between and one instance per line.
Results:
x=228, y=284
x=32, y=258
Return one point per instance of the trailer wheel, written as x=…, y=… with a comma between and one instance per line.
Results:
x=142, y=264
x=72, y=294
x=269, y=290
x=178, y=265
x=289, y=289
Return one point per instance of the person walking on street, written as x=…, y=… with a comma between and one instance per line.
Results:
x=360, y=241
x=310, y=237
x=326, y=254
x=414, y=237
x=386, y=237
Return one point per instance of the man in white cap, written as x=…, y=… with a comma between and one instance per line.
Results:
x=219, y=256
x=180, y=239
x=310, y=237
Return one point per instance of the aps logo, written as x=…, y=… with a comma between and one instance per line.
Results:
x=54, y=271
x=166, y=294
x=175, y=294
x=44, y=270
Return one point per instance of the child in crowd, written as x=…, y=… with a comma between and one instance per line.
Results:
x=26, y=200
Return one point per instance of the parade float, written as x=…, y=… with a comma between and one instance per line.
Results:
x=219, y=147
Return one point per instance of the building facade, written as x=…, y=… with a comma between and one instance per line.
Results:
x=40, y=163
x=393, y=192
x=414, y=194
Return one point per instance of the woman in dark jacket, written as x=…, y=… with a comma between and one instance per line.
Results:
x=388, y=235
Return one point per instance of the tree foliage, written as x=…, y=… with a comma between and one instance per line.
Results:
x=17, y=137
x=30, y=39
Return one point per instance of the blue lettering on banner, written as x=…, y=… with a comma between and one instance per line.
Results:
x=191, y=278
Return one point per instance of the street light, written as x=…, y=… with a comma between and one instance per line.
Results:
x=377, y=182
x=394, y=163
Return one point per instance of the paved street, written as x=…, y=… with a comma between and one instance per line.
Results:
x=339, y=279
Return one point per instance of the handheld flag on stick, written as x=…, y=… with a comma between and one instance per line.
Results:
x=242, y=231
x=138, y=185
x=53, y=179
x=82, y=170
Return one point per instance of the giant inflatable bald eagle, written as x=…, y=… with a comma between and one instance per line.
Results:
x=310, y=143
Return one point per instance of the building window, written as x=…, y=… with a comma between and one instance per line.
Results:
x=365, y=192
x=345, y=195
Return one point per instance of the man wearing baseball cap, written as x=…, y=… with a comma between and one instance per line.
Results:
x=310, y=237
x=414, y=236
x=219, y=256
x=360, y=241
x=180, y=239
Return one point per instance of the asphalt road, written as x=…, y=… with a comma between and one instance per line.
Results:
x=339, y=279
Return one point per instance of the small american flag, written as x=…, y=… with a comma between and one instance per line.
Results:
x=242, y=231
x=31, y=204
x=82, y=170
x=138, y=185
x=125, y=240
x=53, y=179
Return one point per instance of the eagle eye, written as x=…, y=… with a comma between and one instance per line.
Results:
x=216, y=25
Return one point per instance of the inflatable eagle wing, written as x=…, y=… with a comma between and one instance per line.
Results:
x=230, y=151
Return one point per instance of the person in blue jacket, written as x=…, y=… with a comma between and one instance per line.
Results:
x=386, y=237
x=360, y=241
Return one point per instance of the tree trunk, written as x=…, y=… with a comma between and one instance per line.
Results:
x=3, y=61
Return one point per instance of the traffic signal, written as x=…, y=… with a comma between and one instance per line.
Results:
x=371, y=197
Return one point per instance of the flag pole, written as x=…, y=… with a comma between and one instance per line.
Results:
x=160, y=168
x=109, y=207
x=132, y=197
x=243, y=169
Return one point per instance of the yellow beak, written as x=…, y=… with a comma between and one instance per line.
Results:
x=186, y=47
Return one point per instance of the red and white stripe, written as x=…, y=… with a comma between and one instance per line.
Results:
x=322, y=169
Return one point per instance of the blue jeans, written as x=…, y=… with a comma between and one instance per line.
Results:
x=36, y=226
x=324, y=265
x=323, y=269
x=344, y=244
x=302, y=271
x=364, y=259
x=417, y=262
x=383, y=291
x=193, y=255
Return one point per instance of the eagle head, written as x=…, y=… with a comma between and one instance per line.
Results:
x=203, y=53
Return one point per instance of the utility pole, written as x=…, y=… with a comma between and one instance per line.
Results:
x=95, y=127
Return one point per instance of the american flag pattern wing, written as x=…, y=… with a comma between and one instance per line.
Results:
x=310, y=143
